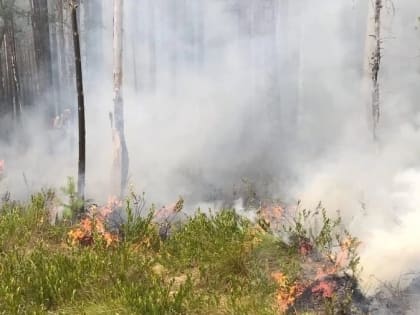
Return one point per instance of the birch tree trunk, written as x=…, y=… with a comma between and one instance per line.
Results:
x=120, y=165
x=81, y=104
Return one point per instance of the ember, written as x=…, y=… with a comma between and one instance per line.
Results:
x=333, y=288
x=324, y=288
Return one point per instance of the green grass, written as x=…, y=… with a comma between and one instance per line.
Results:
x=212, y=264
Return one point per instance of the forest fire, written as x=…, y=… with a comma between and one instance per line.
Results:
x=323, y=279
x=93, y=225
x=254, y=111
x=287, y=292
x=271, y=214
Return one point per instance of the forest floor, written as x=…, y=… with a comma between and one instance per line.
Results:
x=210, y=263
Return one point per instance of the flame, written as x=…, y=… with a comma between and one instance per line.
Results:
x=166, y=212
x=326, y=270
x=287, y=292
x=271, y=214
x=94, y=223
x=325, y=289
x=318, y=270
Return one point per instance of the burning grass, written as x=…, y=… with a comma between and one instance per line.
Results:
x=92, y=227
x=210, y=264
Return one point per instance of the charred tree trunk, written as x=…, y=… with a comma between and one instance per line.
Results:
x=81, y=104
x=120, y=166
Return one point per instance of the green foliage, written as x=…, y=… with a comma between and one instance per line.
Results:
x=73, y=208
x=156, y=297
x=306, y=227
x=211, y=264
x=139, y=227
x=212, y=242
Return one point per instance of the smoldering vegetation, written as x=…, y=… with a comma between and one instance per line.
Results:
x=224, y=98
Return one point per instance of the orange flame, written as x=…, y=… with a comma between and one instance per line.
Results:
x=324, y=288
x=272, y=214
x=287, y=292
x=93, y=224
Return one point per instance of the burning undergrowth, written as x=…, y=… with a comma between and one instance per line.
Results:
x=92, y=226
x=117, y=220
x=298, y=261
x=326, y=277
x=325, y=254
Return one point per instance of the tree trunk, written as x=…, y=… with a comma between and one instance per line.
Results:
x=373, y=63
x=120, y=166
x=12, y=74
x=61, y=43
x=56, y=84
x=17, y=105
x=41, y=33
x=81, y=104
x=1, y=78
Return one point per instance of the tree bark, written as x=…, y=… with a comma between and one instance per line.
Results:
x=121, y=161
x=12, y=74
x=61, y=43
x=17, y=105
x=81, y=104
x=373, y=63
x=41, y=33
